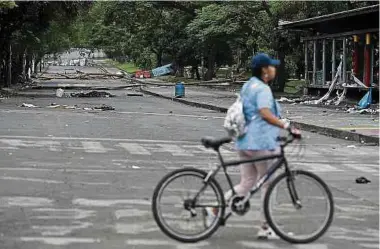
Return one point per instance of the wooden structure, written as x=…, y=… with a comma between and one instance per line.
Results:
x=350, y=37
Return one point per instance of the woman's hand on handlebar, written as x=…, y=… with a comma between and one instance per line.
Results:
x=296, y=133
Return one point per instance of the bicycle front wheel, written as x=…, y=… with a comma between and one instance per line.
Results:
x=178, y=212
x=301, y=222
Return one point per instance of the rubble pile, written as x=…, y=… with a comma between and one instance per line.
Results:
x=92, y=94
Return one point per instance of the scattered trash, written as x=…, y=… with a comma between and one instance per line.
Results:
x=362, y=111
x=351, y=146
x=28, y=105
x=59, y=92
x=362, y=180
x=92, y=94
x=135, y=167
x=105, y=108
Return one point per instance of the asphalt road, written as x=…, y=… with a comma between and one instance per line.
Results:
x=84, y=179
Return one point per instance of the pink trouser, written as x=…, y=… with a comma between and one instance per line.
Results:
x=251, y=173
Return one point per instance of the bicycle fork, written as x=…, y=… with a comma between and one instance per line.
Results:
x=292, y=189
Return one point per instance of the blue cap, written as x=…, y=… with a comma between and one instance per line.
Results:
x=263, y=60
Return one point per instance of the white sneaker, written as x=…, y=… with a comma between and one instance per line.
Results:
x=208, y=217
x=267, y=233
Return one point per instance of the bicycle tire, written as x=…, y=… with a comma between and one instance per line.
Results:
x=270, y=221
x=166, y=180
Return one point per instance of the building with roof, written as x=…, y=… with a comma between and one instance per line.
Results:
x=341, y=48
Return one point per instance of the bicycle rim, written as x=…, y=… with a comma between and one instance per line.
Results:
x=310, y=221
x=170, y=212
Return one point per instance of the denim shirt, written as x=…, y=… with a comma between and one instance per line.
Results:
x=260, y=135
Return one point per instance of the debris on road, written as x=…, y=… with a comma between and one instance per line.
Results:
x=55, y=106
x=362, y=111
x=105, y=108
x=59, y=92
x=362, y=180
x=28, y=105
x=285, y=100
x=92, y=94
x=351, y=146
x=135, y=94
x=135, y=167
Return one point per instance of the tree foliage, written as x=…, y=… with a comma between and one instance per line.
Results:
x=154, y=33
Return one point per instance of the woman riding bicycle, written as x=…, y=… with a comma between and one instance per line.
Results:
x=263, y=124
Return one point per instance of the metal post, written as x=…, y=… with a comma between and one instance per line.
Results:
x=344, y=61
x=10, y=65
x=372, y=61
x=306, y=62
x=323, y=61
x=314, y=61
x=333, y=60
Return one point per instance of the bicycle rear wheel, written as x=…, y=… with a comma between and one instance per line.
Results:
x=307, y=222
x=176, y=211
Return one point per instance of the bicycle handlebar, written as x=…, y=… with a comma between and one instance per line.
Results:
x=289, y=139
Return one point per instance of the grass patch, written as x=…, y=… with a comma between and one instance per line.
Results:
x=129, y=67
x=294, y=86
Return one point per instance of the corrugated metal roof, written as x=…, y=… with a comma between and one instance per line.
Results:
x=345, y=17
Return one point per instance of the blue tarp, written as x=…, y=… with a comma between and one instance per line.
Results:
x=162, y=70
x=366, y=101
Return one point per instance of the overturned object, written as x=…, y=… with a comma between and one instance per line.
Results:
x=92, y=94
x=362, y=180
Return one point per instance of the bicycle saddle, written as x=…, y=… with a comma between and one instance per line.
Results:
x=210, y=142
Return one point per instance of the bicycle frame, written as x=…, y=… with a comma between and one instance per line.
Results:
x=275, y=166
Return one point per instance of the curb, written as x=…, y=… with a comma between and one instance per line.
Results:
x=346, y=135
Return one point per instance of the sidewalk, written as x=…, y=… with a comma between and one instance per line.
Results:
x=363, y=128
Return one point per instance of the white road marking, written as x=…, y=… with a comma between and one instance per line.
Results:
x=30, y=179
x=312, y=246
x=23, y=201
x=10, y=178
x=71, y=214
x=100, y=139
x=59, y=241
x=94, y=147
x=148, y=242
x=173, y=149
x=108, y=203
x=357, y=209
x=367, y=245
x=352, y=238
x=254, y=244
x=61, y=230
x=360, y=167
x=316, y=167
x=16, y=143
x=154, y=243
x=134, y=148
x=346, y=217
x=131, y=213
x=136, y=228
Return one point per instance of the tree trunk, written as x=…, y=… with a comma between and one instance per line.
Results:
x=159, y=59
x=210, y=64
x=281, y=79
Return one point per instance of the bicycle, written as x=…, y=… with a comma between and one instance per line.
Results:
x=240, y=205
